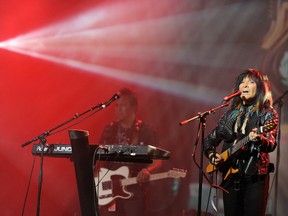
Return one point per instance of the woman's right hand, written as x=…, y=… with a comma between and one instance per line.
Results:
x=215, y=158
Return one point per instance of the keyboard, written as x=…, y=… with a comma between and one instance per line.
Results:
x=105, y=152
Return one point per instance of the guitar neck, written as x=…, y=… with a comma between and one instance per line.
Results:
x=239, y=145
x=133, y=180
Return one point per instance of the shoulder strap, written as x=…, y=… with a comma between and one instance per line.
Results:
x=136, y=132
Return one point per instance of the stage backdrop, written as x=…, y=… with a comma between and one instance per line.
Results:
x=61, y=58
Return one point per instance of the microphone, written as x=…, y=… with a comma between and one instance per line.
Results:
x=116, y=96
x=229, y=97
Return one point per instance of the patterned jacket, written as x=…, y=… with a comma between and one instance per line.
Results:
x=254, y=158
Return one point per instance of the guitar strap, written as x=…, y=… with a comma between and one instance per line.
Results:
x=249, y=122
x=136, y=132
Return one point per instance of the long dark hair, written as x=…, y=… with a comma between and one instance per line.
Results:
x=263, y=97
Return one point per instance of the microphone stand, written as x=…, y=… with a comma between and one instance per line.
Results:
x=280, y=103
x=202, y=126
x=42, y=139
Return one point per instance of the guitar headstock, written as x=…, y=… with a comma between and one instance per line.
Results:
x=269, y=125
x=177, y=173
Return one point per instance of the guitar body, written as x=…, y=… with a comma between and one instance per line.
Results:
x=225, y=167
x=110, y=187
x=211, y=167
x=111, y=184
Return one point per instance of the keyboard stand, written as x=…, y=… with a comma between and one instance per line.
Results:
x=84, y=173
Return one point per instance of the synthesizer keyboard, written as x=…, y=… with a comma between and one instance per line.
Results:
x=105, y=152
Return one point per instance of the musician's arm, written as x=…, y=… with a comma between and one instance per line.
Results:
x=144, y=174
x=151, y=138
x=214, y=139
x=267, y=140
x=154, y=166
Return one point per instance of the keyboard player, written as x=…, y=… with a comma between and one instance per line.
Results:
x=127, y=130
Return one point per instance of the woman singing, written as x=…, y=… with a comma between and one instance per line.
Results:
x=246, y=171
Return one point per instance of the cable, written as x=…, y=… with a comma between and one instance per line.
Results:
x=28, y=186
x=207, y=205
x=98, y=171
